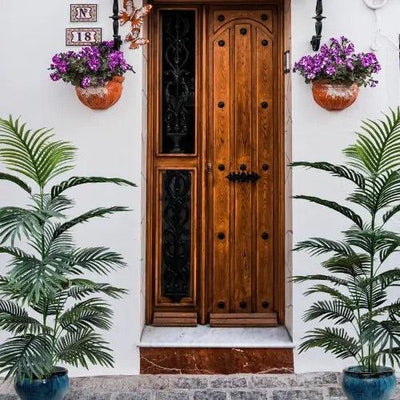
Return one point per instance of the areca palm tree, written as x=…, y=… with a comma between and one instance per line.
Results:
x=355, y=280
x=51, y=310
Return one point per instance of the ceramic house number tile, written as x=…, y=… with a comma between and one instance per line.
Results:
x=82, y=36
x=83, y=13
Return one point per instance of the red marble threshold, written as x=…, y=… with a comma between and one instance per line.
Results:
x=211, y=361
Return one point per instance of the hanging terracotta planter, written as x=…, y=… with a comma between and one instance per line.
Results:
x=101, y=97
x=334, y=96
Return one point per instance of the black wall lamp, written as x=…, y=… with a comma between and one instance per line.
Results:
x=115, y=18
x=316, y=39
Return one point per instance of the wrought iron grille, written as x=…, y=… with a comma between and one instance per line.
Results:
x=176, y=234
x=178, y=81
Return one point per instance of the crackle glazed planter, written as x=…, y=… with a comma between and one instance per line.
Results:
x=359, y=385
x=101, y=97
x=54, y=388
x=334, y=96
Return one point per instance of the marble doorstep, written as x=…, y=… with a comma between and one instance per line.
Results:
x=203, y=336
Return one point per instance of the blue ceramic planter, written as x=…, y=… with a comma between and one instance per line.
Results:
x=359, y=385
x=53, y=388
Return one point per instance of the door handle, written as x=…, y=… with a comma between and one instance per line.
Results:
x=243, y=177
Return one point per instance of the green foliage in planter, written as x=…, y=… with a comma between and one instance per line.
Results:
x=50, y=308
x=356, y=284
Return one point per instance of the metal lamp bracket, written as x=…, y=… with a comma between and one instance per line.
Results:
x=115, y=18
x=316, y=39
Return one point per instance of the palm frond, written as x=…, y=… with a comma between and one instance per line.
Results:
x=17, y=221
x=320, y=277
x=33, y=154
x=84, y=348
x=81, y=288
x=378, y=146
x=16, y=320
x=347, y=212
x=100, y=260
x=51, y=304
x=392, y=212
x=341, y=171
x=318, y=246
x=334, y=310
x=87, y=315
x=16, y=180
x=332, y=292
x=388, y=278
x=24, y=353
x=95, y=213
x=352, y=265
x=333, y=340
x=35, y=278
x=81, y=180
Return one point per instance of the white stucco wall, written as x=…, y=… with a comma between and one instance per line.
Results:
x=111, y=144
x=321, y=135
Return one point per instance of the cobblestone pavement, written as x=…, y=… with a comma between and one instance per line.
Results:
x=321, y=386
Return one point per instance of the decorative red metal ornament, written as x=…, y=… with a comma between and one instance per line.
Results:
x=134, y=16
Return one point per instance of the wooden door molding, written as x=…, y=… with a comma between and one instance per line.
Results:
x=198, y=306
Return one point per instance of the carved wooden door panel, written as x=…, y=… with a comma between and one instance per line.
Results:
x=215, y=165
x=242, y=109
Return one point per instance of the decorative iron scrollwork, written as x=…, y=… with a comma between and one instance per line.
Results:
x=176, y=235
x=316, y=39
x=243, y=177
x=178, y=81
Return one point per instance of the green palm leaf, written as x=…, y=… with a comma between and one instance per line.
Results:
x=334, y=340
x=334, y=310
x=84, y=347
x=21, y=354
x=96, y=259
x=80, y=288
x=17, y=221
x=15, y=319
x=16, y=180
x=378, y=145
x=336, y=170
x=347, y=212
x=87, y=315
x=76, y=181
x=318, y=246
x=95, y=213
x=33, y=154
x=392, y=212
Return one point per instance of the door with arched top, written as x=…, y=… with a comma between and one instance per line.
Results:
x=215, y=166
x=241, y=140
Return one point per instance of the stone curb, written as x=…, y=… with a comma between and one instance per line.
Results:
x=317, y=386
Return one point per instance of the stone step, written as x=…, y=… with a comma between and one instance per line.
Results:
x=317, y=386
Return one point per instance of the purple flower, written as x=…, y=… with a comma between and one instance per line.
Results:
x=55, y=77
x=350, y=65
x=85, y=82
x=330, y=70
x=337, y=61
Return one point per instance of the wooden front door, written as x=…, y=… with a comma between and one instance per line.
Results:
x=215, y=166
x=241, y=152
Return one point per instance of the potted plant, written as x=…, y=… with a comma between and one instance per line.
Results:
x=47, y=304
x=356, y=288
x=337, y=72
x=96, y=72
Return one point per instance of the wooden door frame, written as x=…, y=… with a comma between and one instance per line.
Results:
x=152, y=142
